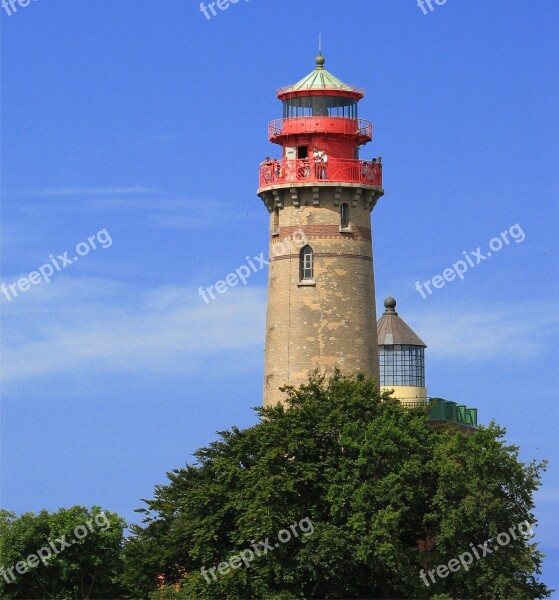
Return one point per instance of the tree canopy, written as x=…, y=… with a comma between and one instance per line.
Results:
x=64, y=555
x=387, y=493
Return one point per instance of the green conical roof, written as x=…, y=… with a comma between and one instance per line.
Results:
x=320, y=80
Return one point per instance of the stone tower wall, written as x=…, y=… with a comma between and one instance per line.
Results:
x=331, y=323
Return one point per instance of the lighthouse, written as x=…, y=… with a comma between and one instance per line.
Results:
x=320, y=193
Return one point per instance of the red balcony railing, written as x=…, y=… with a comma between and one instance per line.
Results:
x=309, y=125
x=336, y=170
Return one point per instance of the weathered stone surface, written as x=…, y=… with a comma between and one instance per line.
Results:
x=332, y=322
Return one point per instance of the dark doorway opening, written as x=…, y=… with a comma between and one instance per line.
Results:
x=302, y=152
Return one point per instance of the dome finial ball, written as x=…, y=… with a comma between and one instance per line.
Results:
x=390, y=303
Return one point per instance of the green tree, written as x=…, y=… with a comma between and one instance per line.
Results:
x=70, y=554
x=387, y=494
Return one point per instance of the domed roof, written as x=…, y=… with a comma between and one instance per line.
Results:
x=320, y=80
x=392, y=330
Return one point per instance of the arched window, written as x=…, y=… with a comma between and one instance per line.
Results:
x=306, y=270
x=344, y=216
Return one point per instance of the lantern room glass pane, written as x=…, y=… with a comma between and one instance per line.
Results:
x=402, y=365
x=320, y=106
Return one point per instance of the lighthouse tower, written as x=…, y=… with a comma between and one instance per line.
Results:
x=319, y=193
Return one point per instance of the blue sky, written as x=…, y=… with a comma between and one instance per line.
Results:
x=147, y=120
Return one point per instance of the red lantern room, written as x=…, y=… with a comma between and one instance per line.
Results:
x=320, y=135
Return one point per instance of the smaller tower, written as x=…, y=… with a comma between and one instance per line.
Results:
x=401, y=356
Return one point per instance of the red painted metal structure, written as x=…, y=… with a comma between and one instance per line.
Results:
x=279, y=130
x=320, y=114
x=306, y=170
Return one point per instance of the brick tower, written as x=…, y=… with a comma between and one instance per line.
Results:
x=321, y=294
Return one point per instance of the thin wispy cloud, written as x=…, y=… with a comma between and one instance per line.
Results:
x=160, y=208
x=150, y=203
x=95, y=191
x=174, y=213
x=181, y=221
x=473, y=335
x=167, y=330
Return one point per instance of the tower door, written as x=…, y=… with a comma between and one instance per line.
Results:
x=290, y=152
x=302, y=152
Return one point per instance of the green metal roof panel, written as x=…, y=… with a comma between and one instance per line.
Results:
x=319, y=80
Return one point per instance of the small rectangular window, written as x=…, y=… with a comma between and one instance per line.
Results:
x=344, y=216
x=275, y=221
x=306, y=263
x=307, y=266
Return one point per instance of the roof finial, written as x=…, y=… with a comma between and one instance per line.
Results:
x=390, y=304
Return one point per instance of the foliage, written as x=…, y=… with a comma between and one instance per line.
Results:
x=387, y=494
x=89, y=567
